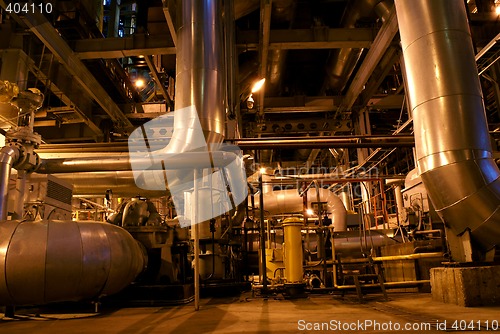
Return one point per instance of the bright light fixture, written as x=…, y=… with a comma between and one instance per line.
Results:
x=497, y=9
x=139, y=83
x=258, y=85
x=262, y=170
x=309, y=212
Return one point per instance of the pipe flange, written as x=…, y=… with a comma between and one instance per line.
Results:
x=24, y=135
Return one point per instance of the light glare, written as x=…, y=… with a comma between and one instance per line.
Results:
x=258, y=85
x=139, y=83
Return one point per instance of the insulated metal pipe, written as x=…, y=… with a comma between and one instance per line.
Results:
x=199, y=74
x=325, y=142
x=50, y=261
x=8, y=155
x=293, y=253
x=343, y=61
x=451, y=135
x=289, y=201
x=122, y=162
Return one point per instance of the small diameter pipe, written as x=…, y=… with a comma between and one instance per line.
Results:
x=196, y=230
x=384, y=258
x=262, y=235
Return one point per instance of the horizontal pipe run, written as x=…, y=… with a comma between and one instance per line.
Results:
x=350, y=287
x=124, y=146
x=408, y=256
x=387, y=285
x=332, y=179
x=383, y=258
x=122, y=162
x=326, y=142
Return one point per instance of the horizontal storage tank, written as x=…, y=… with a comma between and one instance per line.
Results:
x=49, y=261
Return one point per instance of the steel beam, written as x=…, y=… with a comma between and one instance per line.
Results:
x=264, y=35
x=119, y=47
x=168, y=9
x=156, y=77
x=298, y=104
x=293, y=39
x=384, y=38
x=315, y=38
x=42, y=77
x=58, y=46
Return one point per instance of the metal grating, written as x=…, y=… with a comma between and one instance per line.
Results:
x=59, y=192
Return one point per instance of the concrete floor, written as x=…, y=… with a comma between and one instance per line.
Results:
x=248, y=314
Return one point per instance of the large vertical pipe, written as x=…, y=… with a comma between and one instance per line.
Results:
x=262, y=235
x=451, y=134
x=200, y=75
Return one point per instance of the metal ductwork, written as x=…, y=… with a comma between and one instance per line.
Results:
x=199, y=74
x=451, y=135
x=343, y=61
x=288, y=201
x=282, y=15
x=49, y=261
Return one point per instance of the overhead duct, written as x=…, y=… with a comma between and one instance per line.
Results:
x=199, y=120
x=282, y=15
x=288, y=201
x=343, y=61
x=451, y=135
x=50, y=261
x=199, y=74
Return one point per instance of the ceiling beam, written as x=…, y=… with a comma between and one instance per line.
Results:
x=292, y=39
x=379, y=74
x=168, y=9
x=380, y=45
x=58, y=46
x=297, y=104
x=264, y=35
x=315, y=38
x=119, y=47
x=42, y=77
x=156, y=77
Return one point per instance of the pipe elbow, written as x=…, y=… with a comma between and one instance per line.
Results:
x=8, y=155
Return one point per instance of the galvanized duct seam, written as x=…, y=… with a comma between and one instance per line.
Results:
x=451, y=133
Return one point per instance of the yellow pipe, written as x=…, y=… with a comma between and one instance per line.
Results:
x=293, y=250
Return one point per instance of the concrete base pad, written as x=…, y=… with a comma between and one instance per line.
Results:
x=467, y=286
